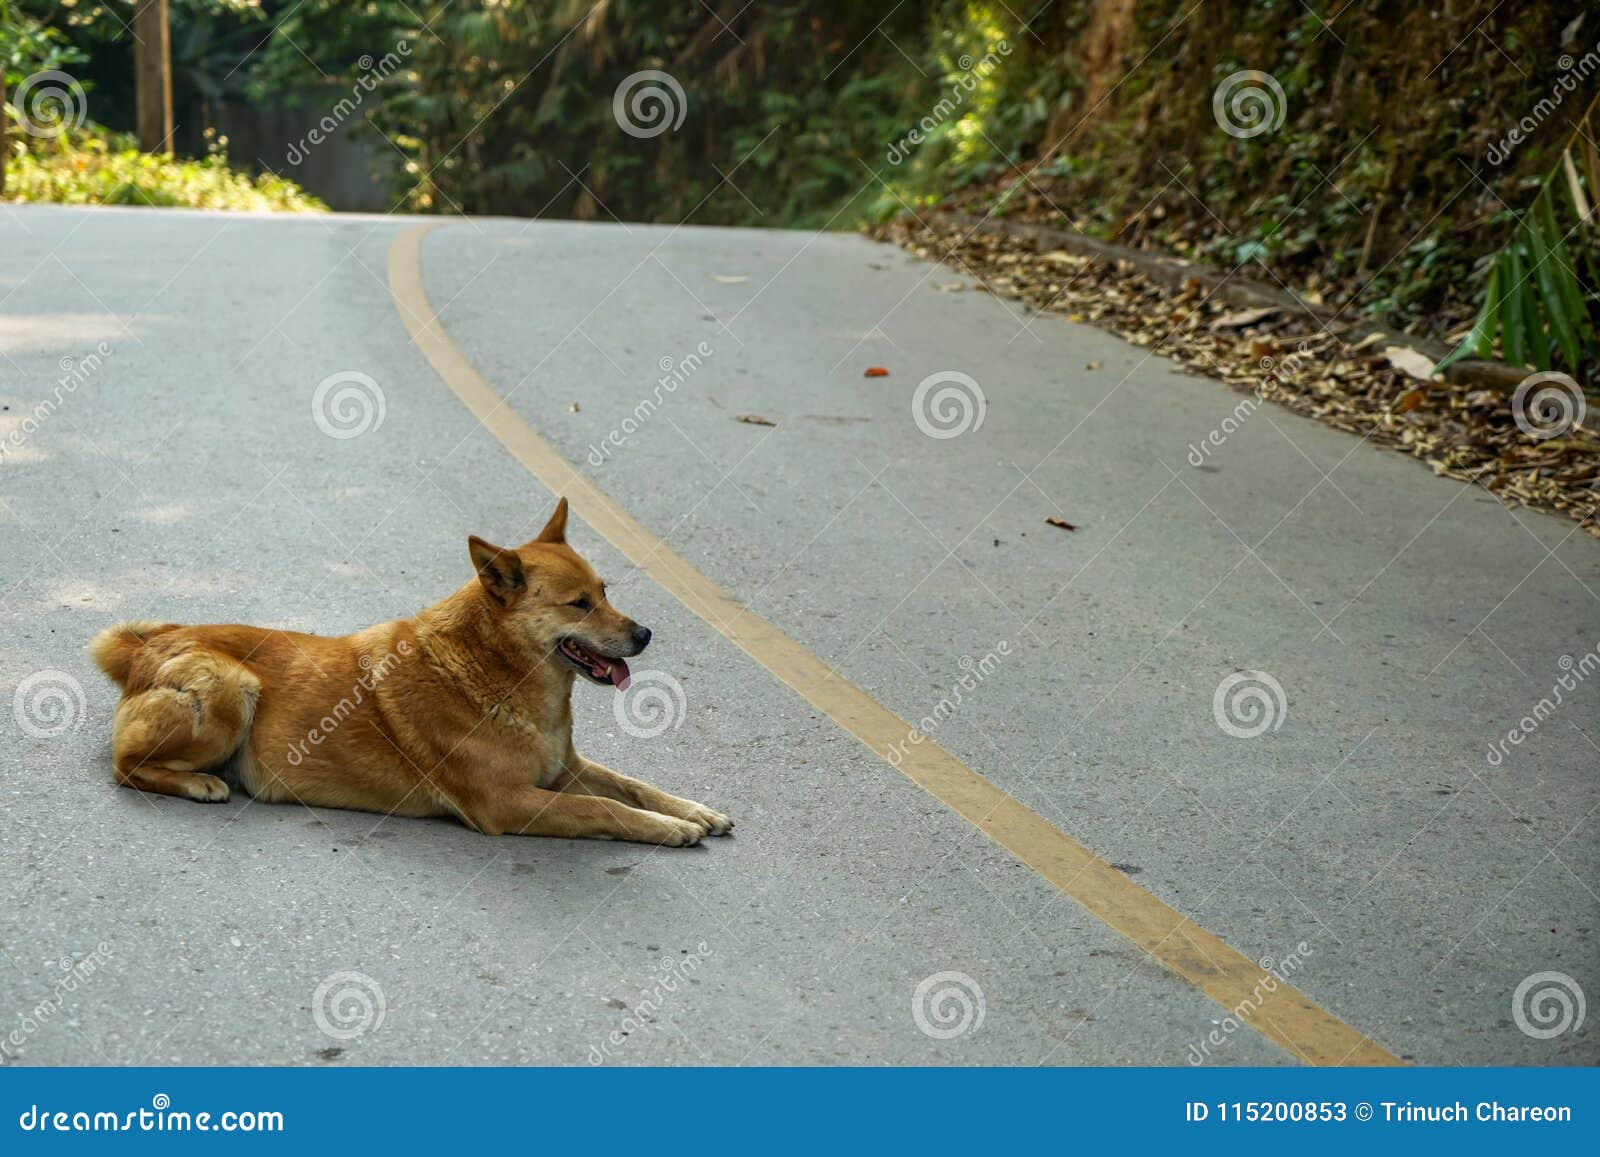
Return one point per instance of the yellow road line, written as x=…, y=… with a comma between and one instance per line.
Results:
x=1281, y=1014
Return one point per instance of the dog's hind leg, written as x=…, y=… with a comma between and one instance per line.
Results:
x=194, y=715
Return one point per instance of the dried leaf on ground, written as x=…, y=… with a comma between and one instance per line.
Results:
x=1462, y=432
x=1062, y=523
x=756, y=420
x=1245, y=317
x=1409, y=361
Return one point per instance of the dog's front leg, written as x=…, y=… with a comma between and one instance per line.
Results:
x=533, y=811
x=588, y=778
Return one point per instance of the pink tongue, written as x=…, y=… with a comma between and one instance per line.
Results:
x=618, y=673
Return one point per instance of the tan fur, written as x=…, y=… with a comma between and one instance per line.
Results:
x=462, y=710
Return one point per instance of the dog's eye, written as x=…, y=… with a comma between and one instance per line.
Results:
x=581, y=603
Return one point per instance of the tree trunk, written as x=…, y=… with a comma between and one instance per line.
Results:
x=1101, y=50
x=153, y=75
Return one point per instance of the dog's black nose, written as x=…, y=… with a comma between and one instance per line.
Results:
x=641, y=637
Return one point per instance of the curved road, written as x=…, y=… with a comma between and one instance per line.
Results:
x=1334, y=816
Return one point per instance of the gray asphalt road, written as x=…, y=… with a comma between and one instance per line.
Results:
x=1399, y=626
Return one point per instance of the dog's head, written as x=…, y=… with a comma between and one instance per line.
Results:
x=551, y=603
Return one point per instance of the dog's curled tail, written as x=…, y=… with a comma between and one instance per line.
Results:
x=114, y=648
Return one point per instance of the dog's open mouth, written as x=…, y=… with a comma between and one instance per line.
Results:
x=597, y=668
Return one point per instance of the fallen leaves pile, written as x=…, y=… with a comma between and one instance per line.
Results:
x=1360, y=385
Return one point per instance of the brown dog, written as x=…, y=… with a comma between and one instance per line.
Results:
x=462, y=710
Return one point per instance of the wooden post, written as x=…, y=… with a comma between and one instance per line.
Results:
x=5, y=117
x=153, y=75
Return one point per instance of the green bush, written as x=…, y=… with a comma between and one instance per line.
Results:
x=90, y=166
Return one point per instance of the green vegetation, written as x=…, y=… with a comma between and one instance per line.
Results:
x=1536, y=302
x=91, y=167
x=1406, y=151
x=53, y=152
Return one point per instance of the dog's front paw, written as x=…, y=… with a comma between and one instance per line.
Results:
x=713, y=822
x=672, y=832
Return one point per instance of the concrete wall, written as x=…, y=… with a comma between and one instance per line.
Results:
x=352, y=168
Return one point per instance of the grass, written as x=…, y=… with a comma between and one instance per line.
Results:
x=90, y=166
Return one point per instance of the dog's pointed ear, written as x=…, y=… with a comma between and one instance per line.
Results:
x=556, y=529
x=500, y=571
